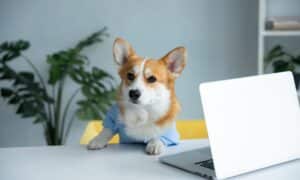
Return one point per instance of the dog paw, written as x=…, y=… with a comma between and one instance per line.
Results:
x=155, y=147
x=95, y=144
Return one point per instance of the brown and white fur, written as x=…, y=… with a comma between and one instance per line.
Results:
x=147, y=99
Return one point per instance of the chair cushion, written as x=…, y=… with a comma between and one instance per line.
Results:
x=188, y=129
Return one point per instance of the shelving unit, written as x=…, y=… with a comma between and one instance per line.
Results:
x=281, y=33
x=263, y=33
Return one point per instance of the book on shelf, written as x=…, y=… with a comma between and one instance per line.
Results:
x=283, y=23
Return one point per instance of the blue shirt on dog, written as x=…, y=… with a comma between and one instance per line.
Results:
x=112, y=121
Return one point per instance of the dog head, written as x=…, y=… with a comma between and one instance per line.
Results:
x=146, y=81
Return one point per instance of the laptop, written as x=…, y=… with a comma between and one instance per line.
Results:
x=252, y=122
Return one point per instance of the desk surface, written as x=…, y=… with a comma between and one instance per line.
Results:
x=113, y=162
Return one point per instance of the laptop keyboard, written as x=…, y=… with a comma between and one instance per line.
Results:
x=207, y=164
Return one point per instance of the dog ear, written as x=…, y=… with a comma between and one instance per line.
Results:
x=121, y=51
x=176, y=60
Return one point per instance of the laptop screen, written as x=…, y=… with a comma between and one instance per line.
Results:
x=252, y=122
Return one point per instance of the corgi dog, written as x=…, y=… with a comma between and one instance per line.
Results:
x=147, y=105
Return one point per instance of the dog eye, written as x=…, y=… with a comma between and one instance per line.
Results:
x=151, y=79
x=130, y=76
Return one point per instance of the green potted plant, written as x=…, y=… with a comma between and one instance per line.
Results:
x=282, y=60
x=42, y=100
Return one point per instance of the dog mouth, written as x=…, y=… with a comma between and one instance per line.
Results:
x=134, y=101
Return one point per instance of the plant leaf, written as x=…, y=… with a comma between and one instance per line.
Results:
x=5, y=92
x=22, y=45
x=27, y=75
x=296, y=60
x=10, y=56
x=7, y=74
x=281, y=66
x=87, y=112
x=275, y=52
x=14, y=100
x=55, y=75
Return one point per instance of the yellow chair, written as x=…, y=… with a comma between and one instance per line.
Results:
x=188, y=129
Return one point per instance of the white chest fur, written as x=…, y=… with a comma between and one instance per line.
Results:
x=144, y=132
x=140, y=120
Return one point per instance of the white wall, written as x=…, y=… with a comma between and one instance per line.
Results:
x=220, y=37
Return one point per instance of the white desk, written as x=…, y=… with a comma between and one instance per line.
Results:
x=114, y=162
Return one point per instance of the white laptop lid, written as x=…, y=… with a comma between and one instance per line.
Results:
x=252, y=122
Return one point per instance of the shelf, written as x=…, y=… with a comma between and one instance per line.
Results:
x=281, y=33
x=264, y=34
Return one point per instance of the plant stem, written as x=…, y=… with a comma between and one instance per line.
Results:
x=57, y=109
x=42, y=82
x=66, y=112
x=69, y=128
x=49, y=133
x=35, y=70
x=53, y=105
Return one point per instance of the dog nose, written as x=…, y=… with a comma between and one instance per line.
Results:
x=134, y=94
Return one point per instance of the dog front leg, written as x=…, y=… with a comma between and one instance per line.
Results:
x=155, y=146
x=101, y=140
